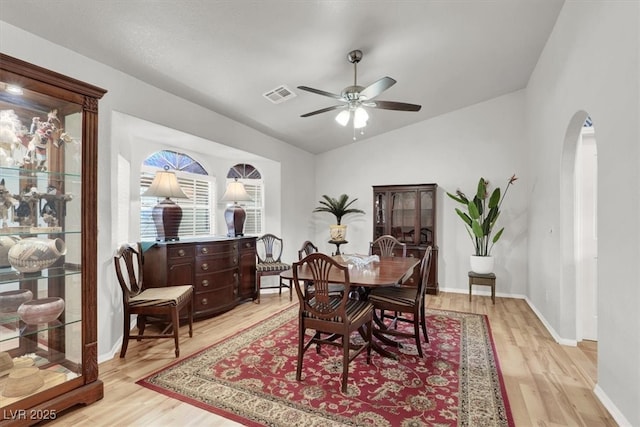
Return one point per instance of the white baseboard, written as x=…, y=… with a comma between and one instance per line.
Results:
x=613, y=409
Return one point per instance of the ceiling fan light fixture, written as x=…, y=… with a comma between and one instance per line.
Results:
x=360, y=117
x=343, y=117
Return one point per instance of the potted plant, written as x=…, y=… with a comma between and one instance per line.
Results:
x=480, y=217
x=338, y=207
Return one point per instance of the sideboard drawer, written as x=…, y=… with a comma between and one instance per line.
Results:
x=181, y=251
x=207, y=249
x=209, y=281
x=221, y=297
x=215, y=263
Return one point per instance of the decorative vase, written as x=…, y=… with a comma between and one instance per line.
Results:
x=34, y=254
x=6, y=243
x=482, y=264
x=41, y=310
x=11, y=300
x=338, y=233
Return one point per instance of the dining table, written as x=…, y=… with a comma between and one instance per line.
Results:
x=363, y=277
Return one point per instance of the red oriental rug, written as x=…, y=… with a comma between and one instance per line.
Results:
x=250, y=378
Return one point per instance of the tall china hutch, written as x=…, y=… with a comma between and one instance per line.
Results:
x=48, y=265
x=408, y=213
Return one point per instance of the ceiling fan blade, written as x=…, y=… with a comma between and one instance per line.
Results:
x=377, y=87
x=322, y=92
x=324, y=110
x=392, y=105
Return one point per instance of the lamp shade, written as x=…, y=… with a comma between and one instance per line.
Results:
x=236, y=193
x=235, y=215
x=167, y=215
x=165, y=184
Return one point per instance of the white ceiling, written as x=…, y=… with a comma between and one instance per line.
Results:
x=224, y=55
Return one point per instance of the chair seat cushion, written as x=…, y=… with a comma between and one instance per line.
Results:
x=272, y=266
x=170, y=295
x=393, y=295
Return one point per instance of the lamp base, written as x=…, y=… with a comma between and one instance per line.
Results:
x=167, y=216
x=235, y=215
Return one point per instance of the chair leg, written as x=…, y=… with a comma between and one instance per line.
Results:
x=176, y=328
x=369, y=341
x=141, y=322
x=301, y=333
x=191, y=307
x=423, y=321
x=345, y=361
x=125, y=335
x=258, y=276
x=416, y=331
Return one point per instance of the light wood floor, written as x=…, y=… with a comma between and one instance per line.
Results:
x=547, y=384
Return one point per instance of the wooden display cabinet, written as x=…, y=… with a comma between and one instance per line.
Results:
x=408, y=213
x=48, y=164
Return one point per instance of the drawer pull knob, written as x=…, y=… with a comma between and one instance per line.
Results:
x=181, y=252
x=205, y=283
x=247, y=245
x=235, y=260
x=204, y=250
x=204, y=301
x=205, y=266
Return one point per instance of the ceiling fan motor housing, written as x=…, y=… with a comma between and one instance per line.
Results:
x=352, y=93
x=354, y=56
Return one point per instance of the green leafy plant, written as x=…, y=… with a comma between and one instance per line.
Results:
x=338, y=207
x=481, y=214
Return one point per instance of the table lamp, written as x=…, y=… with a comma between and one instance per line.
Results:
x=167, y=215
x=235, y=215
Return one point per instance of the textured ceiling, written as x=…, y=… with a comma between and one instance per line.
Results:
x=224, y=55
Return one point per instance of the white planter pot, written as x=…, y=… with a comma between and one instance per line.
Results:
x=338, y=233
x=481, y=264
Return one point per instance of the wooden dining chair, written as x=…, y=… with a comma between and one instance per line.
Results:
x=387, y=246
x=401, y=301
x=309, y=248
x=163, y=303
x=269, y=263
x=330, y=314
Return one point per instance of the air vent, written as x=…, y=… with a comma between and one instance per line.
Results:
x=279, y=94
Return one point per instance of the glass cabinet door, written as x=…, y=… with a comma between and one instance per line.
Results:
x=403, y=215
x=380, y=214
x=40, y=243
x=427, y=225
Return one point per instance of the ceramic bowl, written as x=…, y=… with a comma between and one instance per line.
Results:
x=11, y=300
x=41, y=310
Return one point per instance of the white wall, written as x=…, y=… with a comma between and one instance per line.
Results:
x=453, y=150
x=590, y=65
x=286, y=216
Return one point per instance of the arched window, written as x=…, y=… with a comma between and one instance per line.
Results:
x=252, y=180
x=197, y=216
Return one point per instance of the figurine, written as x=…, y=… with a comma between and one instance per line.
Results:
x=6, y=203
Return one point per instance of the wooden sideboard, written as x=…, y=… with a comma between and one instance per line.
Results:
x=223, y=270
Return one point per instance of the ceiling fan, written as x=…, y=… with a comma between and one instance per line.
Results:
x=354, y=98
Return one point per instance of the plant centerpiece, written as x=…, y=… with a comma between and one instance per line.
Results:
x=480, y=219
x=339, y=208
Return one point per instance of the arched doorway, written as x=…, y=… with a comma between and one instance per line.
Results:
x=579, y=220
